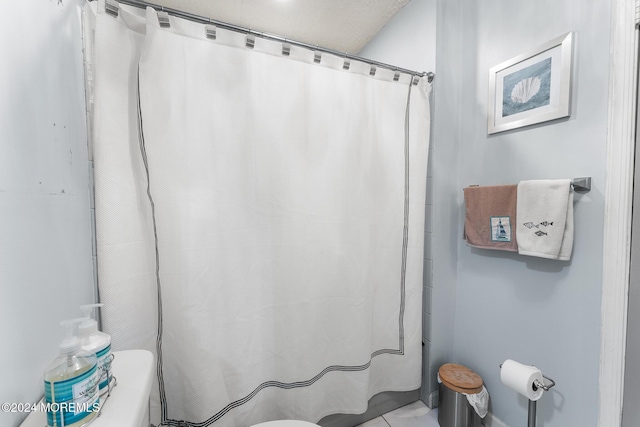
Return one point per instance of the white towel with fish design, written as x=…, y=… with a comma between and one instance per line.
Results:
x=544, y=210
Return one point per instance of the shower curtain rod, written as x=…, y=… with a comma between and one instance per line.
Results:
x=203, y=20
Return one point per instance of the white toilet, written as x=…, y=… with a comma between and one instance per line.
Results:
x=128, y=405
x=286, y=423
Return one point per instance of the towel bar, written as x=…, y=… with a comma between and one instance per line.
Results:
x=581, y=185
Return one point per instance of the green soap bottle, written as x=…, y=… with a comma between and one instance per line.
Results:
x=71, y=383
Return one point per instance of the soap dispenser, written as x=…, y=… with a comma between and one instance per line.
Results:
x=97, y=342
x=71, y=383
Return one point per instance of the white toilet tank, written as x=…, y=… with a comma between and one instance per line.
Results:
x=128, y=405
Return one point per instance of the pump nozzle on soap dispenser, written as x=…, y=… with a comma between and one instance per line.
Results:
x=70, y=344
x=94, y=341
x=89, y=326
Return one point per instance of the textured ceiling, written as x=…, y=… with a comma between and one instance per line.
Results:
x=342, y=25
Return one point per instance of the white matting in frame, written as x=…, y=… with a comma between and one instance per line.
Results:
x=531, y=88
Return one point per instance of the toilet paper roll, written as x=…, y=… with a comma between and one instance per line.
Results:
x=521, y=378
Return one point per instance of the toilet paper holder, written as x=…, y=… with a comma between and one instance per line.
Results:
x=545, y=387
x=532, y=403
x=537, y=384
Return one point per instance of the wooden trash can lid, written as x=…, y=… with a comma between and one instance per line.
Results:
x=460, y=378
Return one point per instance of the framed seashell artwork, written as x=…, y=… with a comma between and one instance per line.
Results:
x=531, y=88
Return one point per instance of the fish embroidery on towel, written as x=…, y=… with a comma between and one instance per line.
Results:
x=538, y=233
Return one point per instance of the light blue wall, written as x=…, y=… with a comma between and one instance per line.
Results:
x=46, y=268
x=447, y=189
x=536, y=311
x=408, y=40
x=489, y=306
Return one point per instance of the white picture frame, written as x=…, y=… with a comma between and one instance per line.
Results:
x=531, y=88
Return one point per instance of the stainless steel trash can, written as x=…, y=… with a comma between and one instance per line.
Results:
x=454, y=410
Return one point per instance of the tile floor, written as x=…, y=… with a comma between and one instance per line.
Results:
x=416, y=414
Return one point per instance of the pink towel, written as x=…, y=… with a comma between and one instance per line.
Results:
x=490, y=220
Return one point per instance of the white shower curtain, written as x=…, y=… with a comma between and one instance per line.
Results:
x=259, y=221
